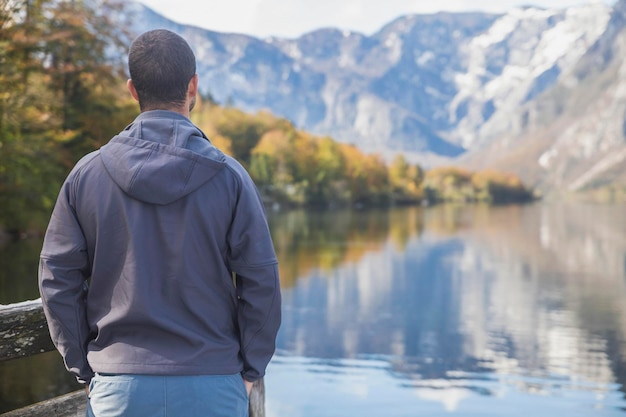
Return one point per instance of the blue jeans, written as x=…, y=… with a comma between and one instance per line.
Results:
x=167, y=396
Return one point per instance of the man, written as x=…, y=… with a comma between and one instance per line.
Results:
x=136, y=270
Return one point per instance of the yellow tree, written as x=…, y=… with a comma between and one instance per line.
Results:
x=244, y=130
x=367, y=176
x=499, y=187
x=405, y=180
x=448, y=184
x=330, y=176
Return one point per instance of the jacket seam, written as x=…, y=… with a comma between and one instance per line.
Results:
x=143, y=163
x=257, y=265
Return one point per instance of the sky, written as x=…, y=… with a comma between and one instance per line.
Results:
x=292, y=18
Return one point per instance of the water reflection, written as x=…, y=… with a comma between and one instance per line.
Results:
x=18, y=270
x=427, y=311
x=30, y=380
x=531, y=298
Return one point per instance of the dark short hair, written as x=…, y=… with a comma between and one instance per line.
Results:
x=161, y=64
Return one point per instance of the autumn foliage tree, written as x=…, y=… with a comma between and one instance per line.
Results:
x=405, y=180
x=499, y=187
x=60, y=98
x=453, y=184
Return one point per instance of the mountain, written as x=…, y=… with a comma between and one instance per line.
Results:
x=534, y=91
x=573, y=137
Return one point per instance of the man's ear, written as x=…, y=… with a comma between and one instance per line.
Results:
x=131, y=88
x=192, y=88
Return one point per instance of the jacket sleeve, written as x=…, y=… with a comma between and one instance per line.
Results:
x=63, y=273
x=253, y=260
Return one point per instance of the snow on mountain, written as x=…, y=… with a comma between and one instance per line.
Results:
x=523, y=54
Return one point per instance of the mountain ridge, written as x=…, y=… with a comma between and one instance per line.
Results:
x=459, y=88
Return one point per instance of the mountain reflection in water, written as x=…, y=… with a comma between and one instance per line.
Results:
x=471, y=311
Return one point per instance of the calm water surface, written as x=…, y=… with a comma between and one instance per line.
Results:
x=510, y=311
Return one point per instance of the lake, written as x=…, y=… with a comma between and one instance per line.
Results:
x=455, y=311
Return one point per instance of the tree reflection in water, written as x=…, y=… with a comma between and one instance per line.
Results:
x=527, y=297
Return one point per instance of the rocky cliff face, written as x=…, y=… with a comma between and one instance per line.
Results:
x=537, y=91
x=573, y=136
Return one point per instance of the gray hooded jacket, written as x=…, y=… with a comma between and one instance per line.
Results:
x=136, y=270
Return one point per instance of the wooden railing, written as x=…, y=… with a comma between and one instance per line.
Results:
x=24, y=332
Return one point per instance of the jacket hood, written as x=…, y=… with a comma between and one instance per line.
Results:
x=161, y=157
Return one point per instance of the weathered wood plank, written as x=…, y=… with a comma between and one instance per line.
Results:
x=256, y=408
x=23, y=330
x=69, y=405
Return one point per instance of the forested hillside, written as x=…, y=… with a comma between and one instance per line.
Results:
x=294, y=167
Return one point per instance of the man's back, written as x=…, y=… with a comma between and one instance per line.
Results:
x=158, y=269
x=164, y=228
x=136, y=271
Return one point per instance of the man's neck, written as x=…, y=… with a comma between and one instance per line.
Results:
x=179, y=110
